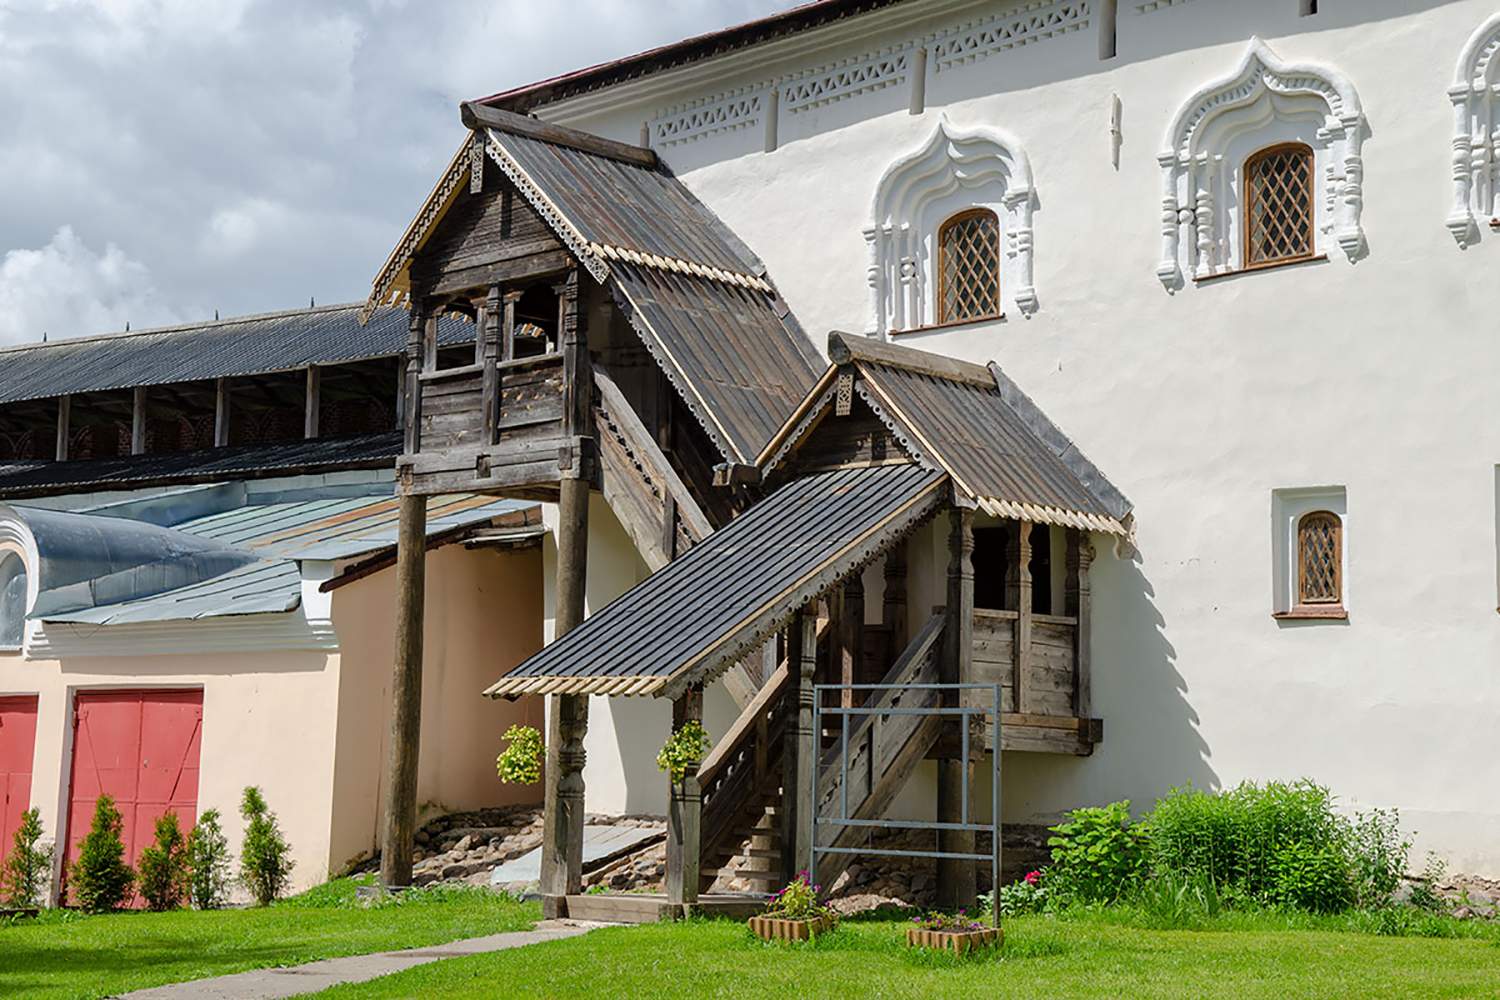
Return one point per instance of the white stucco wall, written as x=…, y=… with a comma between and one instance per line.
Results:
x=1377, y=376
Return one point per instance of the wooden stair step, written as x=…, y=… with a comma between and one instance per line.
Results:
x=758, y=852
x=740, y=873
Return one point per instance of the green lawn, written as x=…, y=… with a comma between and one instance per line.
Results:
x=1239, y=958
x=63, y=954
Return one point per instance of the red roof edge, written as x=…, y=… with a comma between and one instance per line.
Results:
x=800, y=18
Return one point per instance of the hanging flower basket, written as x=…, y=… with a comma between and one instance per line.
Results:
x=959, y=934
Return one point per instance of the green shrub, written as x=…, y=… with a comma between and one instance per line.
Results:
x=100, y=878
x=520, y=763
x=1424, y=894
x=208, y=861
x=1377, y=857
x=28, y=870
x=1097, y=855
x=1027, y=895
x=265, y=862
x=164, y=875
x=1311, y=878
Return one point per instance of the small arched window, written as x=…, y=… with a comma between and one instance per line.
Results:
x=12, y=600
x=1279, y=206
x=1320, y=559
x=969, y=267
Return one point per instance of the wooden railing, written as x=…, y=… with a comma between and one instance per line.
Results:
x=743, y=767
x=1040, y=682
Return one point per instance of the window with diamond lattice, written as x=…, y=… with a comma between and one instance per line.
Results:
x=1320, y=559
x=969, y=267
x=1279, y=205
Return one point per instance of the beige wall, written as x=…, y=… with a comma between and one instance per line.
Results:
x=483, y=615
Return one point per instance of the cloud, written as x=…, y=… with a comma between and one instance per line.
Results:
x=66, y=289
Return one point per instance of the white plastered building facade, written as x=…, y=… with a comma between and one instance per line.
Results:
x=1364, y=370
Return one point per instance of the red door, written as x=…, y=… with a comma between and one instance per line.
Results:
x=17, y=744
x=142, y=748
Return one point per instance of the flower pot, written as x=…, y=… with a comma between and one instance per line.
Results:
x=958, y=942
x=784, y=929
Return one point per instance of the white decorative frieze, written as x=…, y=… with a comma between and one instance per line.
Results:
x=1476, y=133
x=1265, y=101
x=986, y=36
x=726, y=112
x=1154, y=5
x=954, y=170
x=844, y=79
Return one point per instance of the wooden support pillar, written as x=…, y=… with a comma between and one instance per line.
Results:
x=411, y=408
x=956, y=885
x=1077, y=603
x=851, y=638
x=430, y=340
x=508, y=326
x=1021, y=648
x=800, y=756
x=64, y=426
x=221, y=412
x=398, y=825
x=312, y=402
x=684, y=829
x=893, y=603
x=490, y=338
x=138, y=421
x=563, y=815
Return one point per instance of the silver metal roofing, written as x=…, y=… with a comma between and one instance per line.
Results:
x=245, y=345
x=691, y=619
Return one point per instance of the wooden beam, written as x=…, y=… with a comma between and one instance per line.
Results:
x=684, y=818
x=489, y=340
x=312, y=402
x=399, y=823
x=138, y=421
x=956, y=879
x=221, y=412
x=851, y=638
x=800, y=753
x=477, y=116
x=508, y=326
x=411, y=410
x=1077, y=602
x=1021, y=649
x=846, y=347
x=64, y=428
x=893, y=602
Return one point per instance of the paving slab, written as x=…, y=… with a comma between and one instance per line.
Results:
x=265, y=984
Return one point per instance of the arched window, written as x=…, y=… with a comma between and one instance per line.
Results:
x=1279, y=206
x=12, y=600
x=1320, y=559
x=969, y=267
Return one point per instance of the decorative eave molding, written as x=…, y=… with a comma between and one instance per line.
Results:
x=1261, y=72
x=1476, y=148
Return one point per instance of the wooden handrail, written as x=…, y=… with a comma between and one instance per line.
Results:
x=648, y=453
x=744, y=726
x=535, y=361
x=907, y=664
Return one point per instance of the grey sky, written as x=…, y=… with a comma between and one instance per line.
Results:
x=165, y=158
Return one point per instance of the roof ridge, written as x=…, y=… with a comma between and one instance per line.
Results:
x=846, y=347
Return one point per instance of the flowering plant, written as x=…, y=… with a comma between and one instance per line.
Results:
x=952, y=922
x=799, y=900
x=1026, y=896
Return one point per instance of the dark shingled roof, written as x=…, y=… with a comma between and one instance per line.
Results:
x=24, y=479
x=246, y=345
x=690, y=620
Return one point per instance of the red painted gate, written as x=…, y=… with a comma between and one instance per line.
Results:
x=142, y=748
x=17, y=745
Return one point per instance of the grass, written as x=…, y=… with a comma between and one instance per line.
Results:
x=62, y=954
x=1092, y=954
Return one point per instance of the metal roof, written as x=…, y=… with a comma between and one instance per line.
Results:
x=25, y=479
x=245, y=345
x=262, y=587
x=690, y=620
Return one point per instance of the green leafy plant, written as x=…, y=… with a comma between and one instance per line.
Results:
x=100, y=878
x=28, y=870
x=1424, y=894
x=1097, y=855
x=164, y=875
x=208, y=862
x=1028, y=895
x=798, y=901
x=684, y=750
x=1311, y=878
x=520, y=763
x=1173, y=901
x=265, y=856
x=1378, y=856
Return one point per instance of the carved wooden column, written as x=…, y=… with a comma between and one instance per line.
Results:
x=490, y=341
x=1078, y=600
x=800, y=757
x=893, y=603
x=684, y=829
x=956, y=886
x=138, y=421
x=221, y=411
x=851, y=636
x=399, y=823
x=64, y=429
x=412, y=389
x=1021, y=648
x=312, y=402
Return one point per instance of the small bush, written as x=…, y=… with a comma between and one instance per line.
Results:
x=1029, y=895
x=1097, y=855
x=265, y=862
x=1311, y=878
x=163, y=867
x=28, y=870
x=1424, y=894
x=1377, y=857
x=100, y=878
x=208, y=861
x=520, y=763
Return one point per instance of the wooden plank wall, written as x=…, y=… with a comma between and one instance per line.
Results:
x=1049, y=666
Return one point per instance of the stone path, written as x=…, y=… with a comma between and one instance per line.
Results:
x=299, y=979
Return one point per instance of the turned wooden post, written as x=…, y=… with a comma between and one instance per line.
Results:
x=956, y=885
x=800, y=757
x=1077, y=603
x=64, y=431
x=1021, y=649
x=851, y=637
x=312, y=402
x=489, y=357
x=893, y=602
x=684, y=828
x=411, y=407
x=399, y=823
x=221, y=411
x=138, y=421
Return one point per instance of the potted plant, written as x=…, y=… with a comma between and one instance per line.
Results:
x=794, y=914
x=521, y=761
x=951, y=932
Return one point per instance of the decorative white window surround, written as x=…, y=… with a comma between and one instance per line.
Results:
x=1476, y=133
x=1264, y=101
x=1154, y=5
x=954, y=169
x=974, y=40
x=726, y=112
x=847, y=78
x=1288, y=507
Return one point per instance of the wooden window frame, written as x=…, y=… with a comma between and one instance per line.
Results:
x=1329, y=608
x=940, y=306
x=1248, y=196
